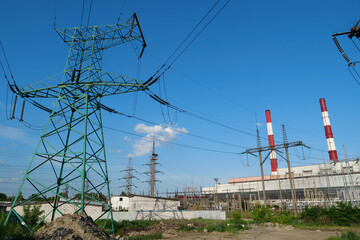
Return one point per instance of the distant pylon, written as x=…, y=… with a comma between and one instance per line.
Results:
x=128, y=178
x=273, y=158
x=328, y=131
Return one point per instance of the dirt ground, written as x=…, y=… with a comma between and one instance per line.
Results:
x=255, y=233
x=80, y=226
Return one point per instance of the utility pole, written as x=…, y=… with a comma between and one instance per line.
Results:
x=128, y=178
x=293, y=193
x=261, y=165
x=216, y=190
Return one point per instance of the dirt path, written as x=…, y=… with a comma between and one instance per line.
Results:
x=255, y=233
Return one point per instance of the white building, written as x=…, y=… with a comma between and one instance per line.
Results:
x=143, y=203
x=119, y=203
x=339, y=181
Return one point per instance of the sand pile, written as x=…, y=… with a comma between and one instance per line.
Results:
x=75, y=226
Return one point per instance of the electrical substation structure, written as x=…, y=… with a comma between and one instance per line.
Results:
x=72, y=144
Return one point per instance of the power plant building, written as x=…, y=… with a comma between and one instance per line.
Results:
x=313, y=184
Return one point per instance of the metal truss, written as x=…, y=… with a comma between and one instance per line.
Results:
x=71, y=152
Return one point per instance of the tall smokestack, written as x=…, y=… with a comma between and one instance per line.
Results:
x=273, y=158
x=328, y=132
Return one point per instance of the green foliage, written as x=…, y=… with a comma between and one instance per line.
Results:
x=32, y=215
x=126, y=226
x=217, y=227
x=349, y=235
x=3, y=197
x=13, y=230
x=343, y=214
x=284, y=217
x=262, y=213
x=146, y=237
x=235, y=224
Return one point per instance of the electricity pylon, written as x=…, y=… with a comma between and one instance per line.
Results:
x=72, y=146
x=128, y=178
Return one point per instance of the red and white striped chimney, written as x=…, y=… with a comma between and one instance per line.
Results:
x=273, y=159
x=328, y=132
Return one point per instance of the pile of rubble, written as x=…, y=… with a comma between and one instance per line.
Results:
x=74, y=227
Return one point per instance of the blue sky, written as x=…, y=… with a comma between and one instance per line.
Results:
x=255, y=55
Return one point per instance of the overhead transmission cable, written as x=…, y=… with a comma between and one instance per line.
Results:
x=188, y=45
x=178, y=144
x=177, y=130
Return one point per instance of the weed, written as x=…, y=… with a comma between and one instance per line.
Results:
x=349, y=235
x=146, y=237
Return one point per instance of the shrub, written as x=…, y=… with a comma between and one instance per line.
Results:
x=349, y=235
x=217, y=227
x=284, y=217
x=13, y=230
x=343, y=214
x=32, y=215
x=262, y=213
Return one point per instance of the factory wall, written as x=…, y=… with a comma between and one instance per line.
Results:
x=331, y=178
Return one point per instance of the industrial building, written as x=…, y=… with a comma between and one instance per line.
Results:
x=313, y=184
x=319, y=184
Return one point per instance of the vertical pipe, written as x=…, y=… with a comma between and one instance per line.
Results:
x=328, y=131
x=273, y=158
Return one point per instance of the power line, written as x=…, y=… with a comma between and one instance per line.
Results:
x=178, y=144
x=177, y=130
x=187, y=46
x=191, y=32
x=200, y=32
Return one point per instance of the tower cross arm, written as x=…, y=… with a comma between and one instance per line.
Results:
x=106, y=35
x=278, y=146
x=101, y=84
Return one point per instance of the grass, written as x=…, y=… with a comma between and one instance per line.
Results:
x=123, y=227
x=348, y=235
x=146, y=237
x=232, y=225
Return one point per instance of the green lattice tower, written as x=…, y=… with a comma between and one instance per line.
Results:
x=71, y=150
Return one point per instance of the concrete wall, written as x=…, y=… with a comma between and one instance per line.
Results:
x=138, y=203
x=176, y=214
x=93, y=211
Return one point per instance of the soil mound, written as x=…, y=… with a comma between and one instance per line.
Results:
x=74, y=227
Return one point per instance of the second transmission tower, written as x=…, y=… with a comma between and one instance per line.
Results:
x=128, y=178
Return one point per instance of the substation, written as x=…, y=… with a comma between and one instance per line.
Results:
x=290, y=188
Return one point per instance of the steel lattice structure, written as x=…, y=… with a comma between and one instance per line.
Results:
x=71, y=150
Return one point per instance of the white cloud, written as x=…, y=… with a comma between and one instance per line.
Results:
x=259, y=124
x=114, y=151
x=14, y=179
x=126, y=138
x=20, y=172
x=2, y=180
x=143, y=146
x=12, y=133
x=1, y=162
